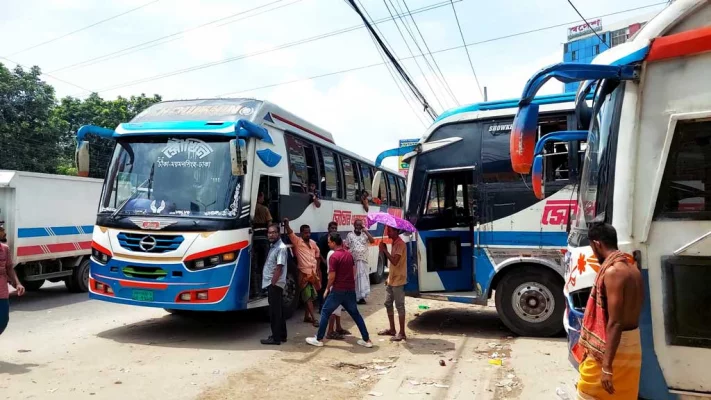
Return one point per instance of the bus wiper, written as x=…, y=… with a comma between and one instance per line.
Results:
x=135, y=193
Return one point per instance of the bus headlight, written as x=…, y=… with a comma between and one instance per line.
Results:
x=211, y=261
x=100, y=254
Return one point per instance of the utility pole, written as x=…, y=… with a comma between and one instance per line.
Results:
x=486, y=94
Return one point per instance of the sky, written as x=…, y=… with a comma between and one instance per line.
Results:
x=244, y=53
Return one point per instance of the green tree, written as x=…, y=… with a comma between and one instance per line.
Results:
x=29, y=134
x=38, y=134
x=94, y=110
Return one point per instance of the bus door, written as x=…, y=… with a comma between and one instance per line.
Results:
x=446, y=227
x=269, y=191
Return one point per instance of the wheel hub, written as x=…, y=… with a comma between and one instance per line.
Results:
x=533, y=302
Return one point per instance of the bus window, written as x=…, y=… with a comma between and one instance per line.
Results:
x=367, y=174
x=298, y=168
x=330, y=181
x=556, y=162
x=401, y=187
x=495, y=153
x=350, y=180
x=383, y=189
x=392, y=189
x=685, y=191
x=435, y=197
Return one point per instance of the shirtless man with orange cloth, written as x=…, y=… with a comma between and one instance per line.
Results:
x=609, y=350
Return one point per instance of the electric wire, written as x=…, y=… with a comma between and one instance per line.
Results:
x=466, y=49
x=82, y=29
x=409, y=49
x=587, y=23
x=427, y=47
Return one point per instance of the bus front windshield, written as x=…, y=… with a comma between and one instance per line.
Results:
x=595, y=194
x=171, y=176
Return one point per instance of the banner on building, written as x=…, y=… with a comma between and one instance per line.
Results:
x=583, y=29
x=404, y=166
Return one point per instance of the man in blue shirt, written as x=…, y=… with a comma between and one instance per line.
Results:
x=274, y=280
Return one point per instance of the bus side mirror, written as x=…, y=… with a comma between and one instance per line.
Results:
x=523, y=138
x=537, y=177
x=82, y=158
x=238, y=156
x=377, y=178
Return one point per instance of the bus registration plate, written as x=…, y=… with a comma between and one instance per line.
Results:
x=142, y=295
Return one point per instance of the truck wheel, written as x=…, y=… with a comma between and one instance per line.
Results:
x=79, y=281
x=379, y=274
x=530, y=302
x=291, y=293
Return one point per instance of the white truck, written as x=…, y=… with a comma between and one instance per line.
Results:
x=48, y=220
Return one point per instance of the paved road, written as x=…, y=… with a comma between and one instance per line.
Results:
x=60, y=345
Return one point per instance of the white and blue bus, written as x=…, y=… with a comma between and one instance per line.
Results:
x=174, y=225
x=480, y=230
x=648, y=173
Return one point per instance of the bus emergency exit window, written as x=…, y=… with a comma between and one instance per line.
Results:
x=686, y=301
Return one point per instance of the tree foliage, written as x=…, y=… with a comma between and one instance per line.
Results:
x=37, y=132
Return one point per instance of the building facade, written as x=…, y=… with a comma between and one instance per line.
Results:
x=583, y=44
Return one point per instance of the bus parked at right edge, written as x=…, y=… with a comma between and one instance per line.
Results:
x=648, y=173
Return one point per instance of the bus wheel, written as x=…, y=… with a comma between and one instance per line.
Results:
x=379, y=274
x=530, y=302
x=291, y=294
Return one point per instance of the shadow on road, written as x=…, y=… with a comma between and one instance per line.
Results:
x=15, y=369
x=48, y=297
x=240, y=330
x=475, y=321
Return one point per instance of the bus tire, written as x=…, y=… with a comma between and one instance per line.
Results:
x=79, y=281
x=530, y=301
x=379, y=274
x=291, y=293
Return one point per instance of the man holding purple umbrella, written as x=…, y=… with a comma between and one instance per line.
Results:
x=395, y=285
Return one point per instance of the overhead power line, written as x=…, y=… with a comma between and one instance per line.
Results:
x=341, y=31
x=172, y=37
x=403, y=93
x=586, y=23
x=405, y=77
x=83, y=29
x=422, y=72
x=363, y=67
x=466, y=49
x=434, y=61
x=49, y=76
x=260, y=52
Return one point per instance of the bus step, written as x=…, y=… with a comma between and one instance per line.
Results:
x=457, y=297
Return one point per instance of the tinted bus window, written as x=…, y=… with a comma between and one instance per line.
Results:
x=392, y=188
x=330, y=185
x=401, y=187
x=367, y=177
x=350, y=180
x=298, y=169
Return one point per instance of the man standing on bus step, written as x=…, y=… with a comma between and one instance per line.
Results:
x=260, y=243
x=274, y=280
x=341, y=285
x=358, y=242
x=395, y=285
x=609, y=349
x=324, y=250
x=307, y=257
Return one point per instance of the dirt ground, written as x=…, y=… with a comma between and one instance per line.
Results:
x=453, y=351
x=64, y=346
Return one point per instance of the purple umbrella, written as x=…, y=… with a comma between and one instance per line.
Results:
x=389, y=220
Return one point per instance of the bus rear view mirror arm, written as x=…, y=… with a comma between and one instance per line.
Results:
x=82, y=152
